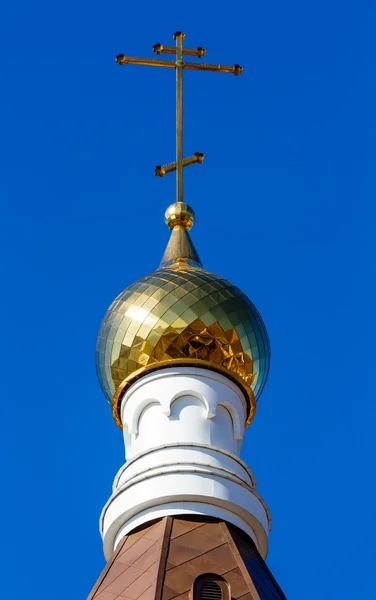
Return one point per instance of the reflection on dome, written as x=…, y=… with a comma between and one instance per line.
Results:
x=182, y=313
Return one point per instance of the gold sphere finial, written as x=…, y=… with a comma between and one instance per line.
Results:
x=179, y=214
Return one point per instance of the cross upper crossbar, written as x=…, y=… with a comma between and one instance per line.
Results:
x=179, y=65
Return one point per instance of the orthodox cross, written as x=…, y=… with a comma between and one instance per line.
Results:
x=179, y=65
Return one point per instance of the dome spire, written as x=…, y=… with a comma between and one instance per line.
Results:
x=179, y=217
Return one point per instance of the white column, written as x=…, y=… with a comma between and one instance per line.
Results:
x=183, y=429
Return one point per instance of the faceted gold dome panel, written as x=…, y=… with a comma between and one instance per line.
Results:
x=182, y=312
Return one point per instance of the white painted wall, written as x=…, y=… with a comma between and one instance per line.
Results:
x=183, y=405
x=183, y=429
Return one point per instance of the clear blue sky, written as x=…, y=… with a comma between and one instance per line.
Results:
x=287, y=175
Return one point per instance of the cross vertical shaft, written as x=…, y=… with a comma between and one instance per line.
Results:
x=179, y=65
x=179, y=116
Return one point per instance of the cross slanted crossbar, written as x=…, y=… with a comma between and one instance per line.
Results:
x=179, y=65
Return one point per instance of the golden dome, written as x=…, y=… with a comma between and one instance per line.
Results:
x=182, y=314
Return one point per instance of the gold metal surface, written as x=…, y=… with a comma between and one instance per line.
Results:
x=180, y=249
x=202, y=364
x=161, y=49
x=178, y=65
x=182, y=312
x=234, y=70
x=197, y=157
x=179, y=36
x=121, y=59
x=179, y=214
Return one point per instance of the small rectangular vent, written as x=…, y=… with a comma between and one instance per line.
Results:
x=210, y=591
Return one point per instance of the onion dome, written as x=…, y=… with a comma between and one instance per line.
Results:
x=182, y=314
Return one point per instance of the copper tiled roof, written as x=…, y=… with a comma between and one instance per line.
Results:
x=161, y=561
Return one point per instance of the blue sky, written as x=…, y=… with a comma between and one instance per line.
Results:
x=283, y=210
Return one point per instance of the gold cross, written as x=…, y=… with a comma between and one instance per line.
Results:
x=179, y=64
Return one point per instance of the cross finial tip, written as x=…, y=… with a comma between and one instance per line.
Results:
x=179, y=65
